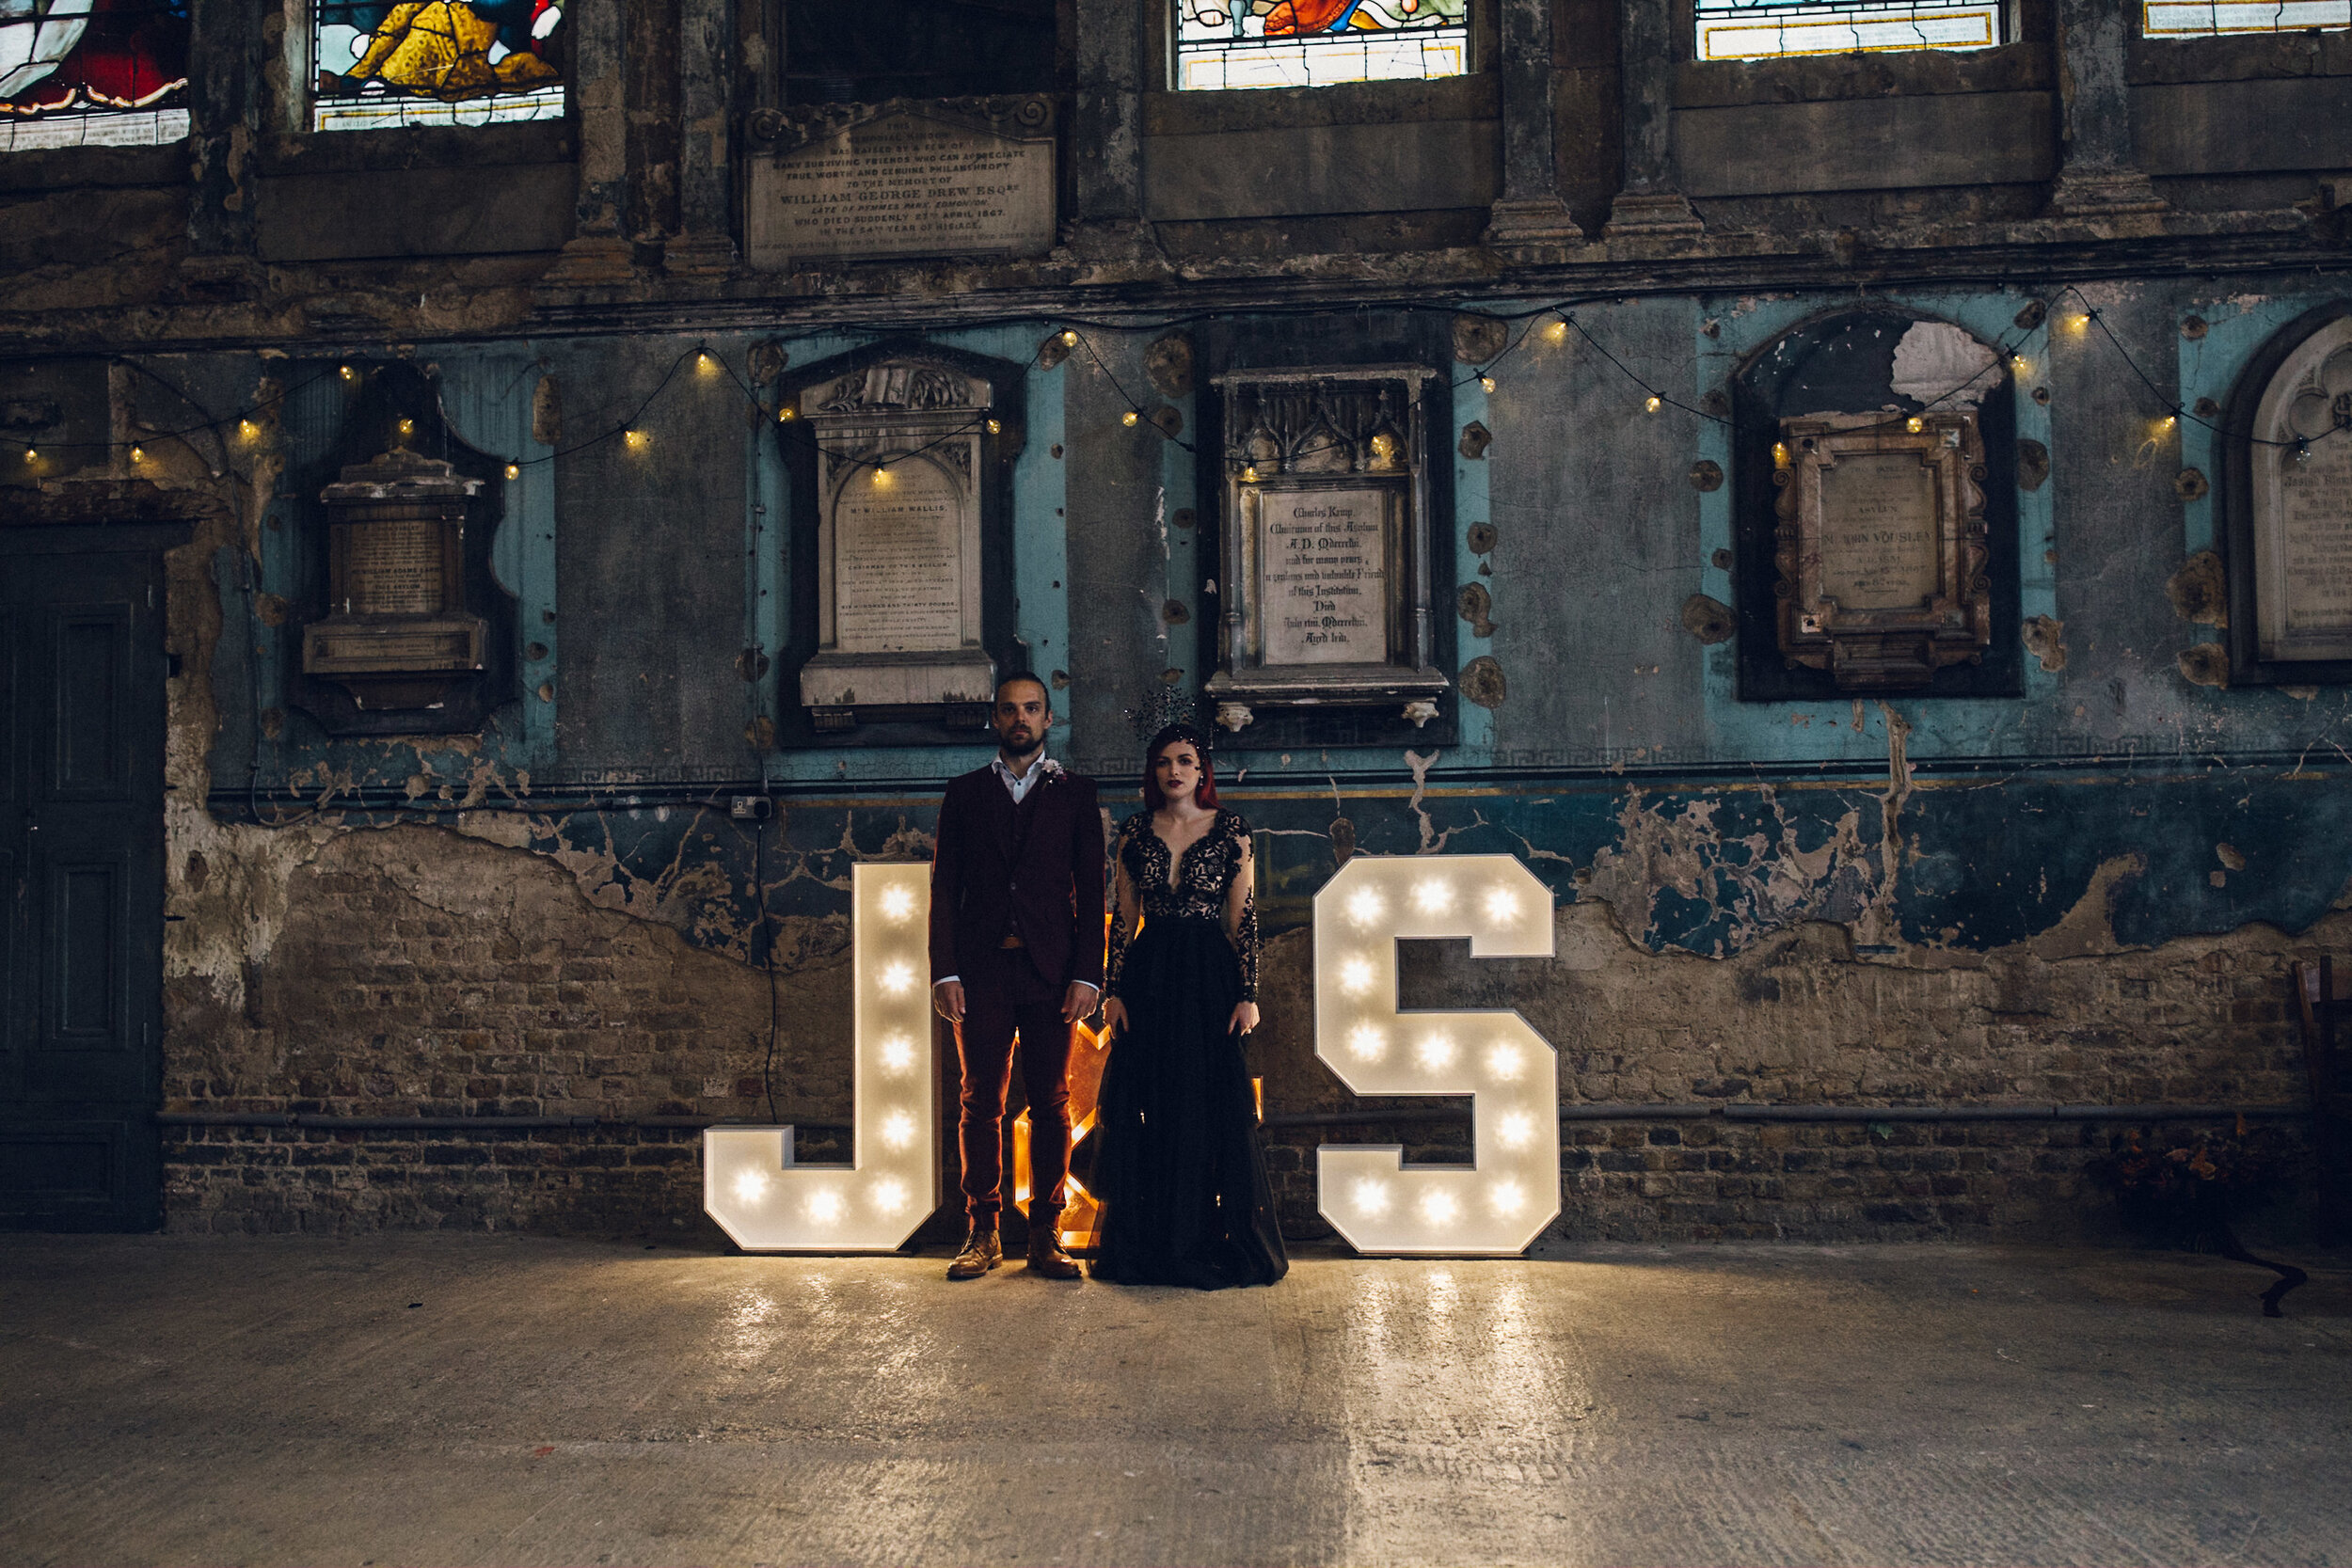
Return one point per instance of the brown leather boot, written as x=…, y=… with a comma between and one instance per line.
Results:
x=1045, y=1253
x=982, y=1252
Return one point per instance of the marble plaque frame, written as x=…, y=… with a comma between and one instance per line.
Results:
x=1887, y=646
x=1306, y=437
x=951, y=422
x=2287, y=368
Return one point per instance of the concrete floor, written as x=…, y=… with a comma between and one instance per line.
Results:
x=459, y=1399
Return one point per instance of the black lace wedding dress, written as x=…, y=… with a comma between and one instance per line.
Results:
x=1180, y=1172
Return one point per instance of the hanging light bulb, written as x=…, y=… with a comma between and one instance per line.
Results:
x=1069, y=338
x=139, y=455
x=347, y=373
x=1914, y=424
x=1653, y=404
x=1486, y=383
x=995, y=427
x=784, y=415
x=513, y=471
x=31, y=456
x=1130, y=418
x=407, y=428
x=2019, y=363
x=1557, y=332
x=1250, y=474
x=704, y=363
x=2302, y=452
x=635, y=439
x=247, y=429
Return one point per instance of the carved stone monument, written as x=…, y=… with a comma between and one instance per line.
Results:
x=2301, y=471
x=398, y=635
x=1882, y=547
x=899, y=452
x=959, y=176
x=1326, y=547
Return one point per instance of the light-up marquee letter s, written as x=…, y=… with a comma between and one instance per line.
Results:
x=750, y=1183
x=1503, y=1200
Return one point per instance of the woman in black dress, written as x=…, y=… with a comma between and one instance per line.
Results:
x=1183, y=1182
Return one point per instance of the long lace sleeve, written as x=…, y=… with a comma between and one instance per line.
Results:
x=1241, y=911
x=1122, y=916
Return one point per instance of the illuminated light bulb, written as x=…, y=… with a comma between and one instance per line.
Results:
x=882, y=477
x=1366, y=1043
x=896, y=978
x=898, y=1054
x=1485, y=383
x=1249, y=475
x=2302, y=452
x=1780, y=454
x=1504, y=1062
x=139, y=455
x=1653, y=404
x=1517, y=1130
x=513, y=471
x=1364, y=906
x=634, y=439
x=407, y=427
x=1507, y=1198
x=1433, y=896
x=1439, y=1208
x=1914, y=424
x=1384, y=446
x=31, y=456
x=347, y=373
x=897, y=904
x=2080, y=323
x=784, y=416
x=751, y=1186
x=247, y=429
x=1355, y=976
x=1557, y=332
x=824, y=1207
x=1069, y=338
x=1502, y=905
x=890, y=1197
x=1372, y=1198
x=995, y=427
x=1130, y=419
x=897, y=1130
x=704, y=363
x=1436, y=1054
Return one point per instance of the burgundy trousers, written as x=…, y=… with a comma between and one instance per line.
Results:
x=1005, y=995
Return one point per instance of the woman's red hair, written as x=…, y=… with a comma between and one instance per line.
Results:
x=1204, y=793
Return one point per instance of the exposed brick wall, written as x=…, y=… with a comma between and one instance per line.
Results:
x=414, y=971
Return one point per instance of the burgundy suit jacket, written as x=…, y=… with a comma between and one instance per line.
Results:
x=1034, y=871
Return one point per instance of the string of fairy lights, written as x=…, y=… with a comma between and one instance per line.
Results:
x=1554, y=323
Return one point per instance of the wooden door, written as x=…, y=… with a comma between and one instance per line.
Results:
x=82, y=674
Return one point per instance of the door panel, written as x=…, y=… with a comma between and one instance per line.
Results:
x=89, y=649
x=81, y=865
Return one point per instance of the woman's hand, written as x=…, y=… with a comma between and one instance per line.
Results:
x=1245, y=1018
x=1114, y=1017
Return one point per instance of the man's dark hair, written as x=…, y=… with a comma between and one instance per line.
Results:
x=1024, y=679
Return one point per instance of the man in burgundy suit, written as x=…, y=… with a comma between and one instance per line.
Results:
x=1017, y=948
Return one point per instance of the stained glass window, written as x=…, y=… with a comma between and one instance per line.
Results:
x=1313, y=43
x=445, y=62
x=1760, y=29
x=2188, y=18
x=93, y=73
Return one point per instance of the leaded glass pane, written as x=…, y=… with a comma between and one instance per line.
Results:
x=1760, y=29
x=2189, y=18
x=1313, y=43
x=445, y=62
x=93, y=73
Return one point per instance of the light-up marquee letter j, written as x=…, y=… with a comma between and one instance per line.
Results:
x=750, y=1183
x=1503, y=1200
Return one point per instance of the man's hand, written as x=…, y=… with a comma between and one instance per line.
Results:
x=948, y=999
x=1077, y=1001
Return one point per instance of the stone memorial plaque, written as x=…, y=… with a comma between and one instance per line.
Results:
x=904, y=182
x=394, y=567
x=1878, y=536
x=899, y=564
x=1880, y=547
x=1323, y=559
x=2302, y=502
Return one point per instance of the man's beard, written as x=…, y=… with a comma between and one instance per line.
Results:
x=1026, y=746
